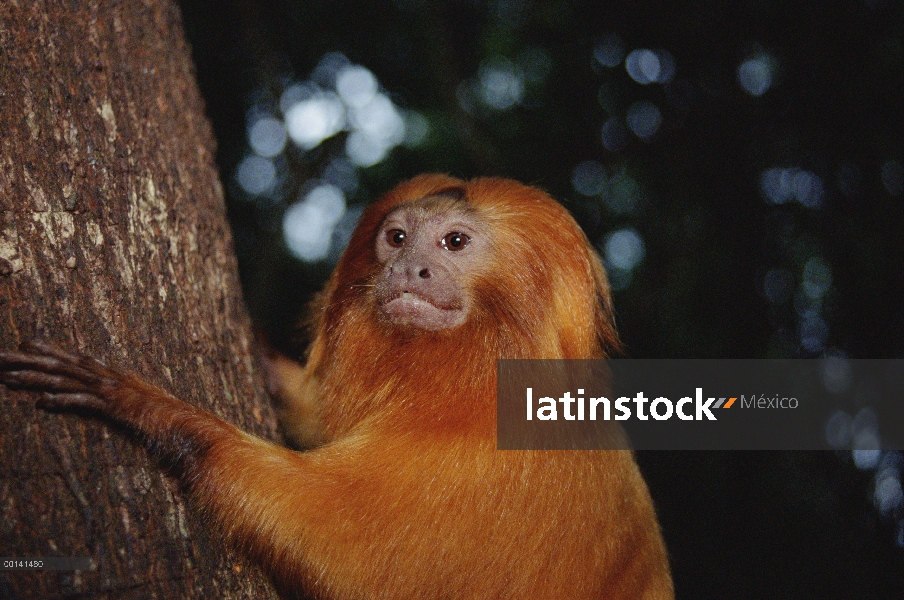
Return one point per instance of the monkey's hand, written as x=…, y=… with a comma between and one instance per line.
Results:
x=295, y=394
x=66, y=380
x=170, y=426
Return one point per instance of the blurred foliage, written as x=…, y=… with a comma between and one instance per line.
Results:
x=767, y=201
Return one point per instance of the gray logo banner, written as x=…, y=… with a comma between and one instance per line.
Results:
x=705, y=404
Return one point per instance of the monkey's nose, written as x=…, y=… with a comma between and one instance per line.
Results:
x=424, y=273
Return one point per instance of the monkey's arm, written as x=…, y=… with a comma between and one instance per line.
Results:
x=250, y=488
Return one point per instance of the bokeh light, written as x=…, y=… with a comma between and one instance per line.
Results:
x=615, y=135
x=644, y=119
x=650, y=66
x=267, y=137
x=328, y=68
x=865, y=443
x=623, y=194
x=308, y=225
x=589, y=178
x=501, y=84
x=356, y=85
x=866, y=458
x=817, y=277
x=609, y=51
x=814, y=332
x=888, y=495
x=256, y=175
x=782, y=185
x=377, y=127
x=666, y=66
x=314, y=119
x=643, y=66
x=838, y=430
x=756, y=74
x=624, y=249
x=837, y=374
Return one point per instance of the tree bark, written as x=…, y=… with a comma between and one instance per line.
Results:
x=114, y=242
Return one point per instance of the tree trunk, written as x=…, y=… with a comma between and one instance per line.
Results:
x=113, y=242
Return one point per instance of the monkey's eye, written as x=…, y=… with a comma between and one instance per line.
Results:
x=395, y=238
x=455, y=241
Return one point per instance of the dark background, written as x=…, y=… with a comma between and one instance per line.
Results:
x=760, y=214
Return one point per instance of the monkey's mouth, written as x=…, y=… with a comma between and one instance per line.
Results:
x=408, y=308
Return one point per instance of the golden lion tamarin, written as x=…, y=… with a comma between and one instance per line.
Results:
x=405, y=494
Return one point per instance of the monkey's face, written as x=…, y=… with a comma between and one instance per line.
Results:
x=428, y=251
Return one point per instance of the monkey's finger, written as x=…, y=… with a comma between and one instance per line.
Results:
x=38, y=380
x=87, y=363
x=18, y=361
x=39, y=347
x=74, y=400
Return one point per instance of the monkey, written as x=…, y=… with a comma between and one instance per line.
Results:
x=402, y=492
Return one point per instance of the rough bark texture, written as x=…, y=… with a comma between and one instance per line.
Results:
x=114, y=242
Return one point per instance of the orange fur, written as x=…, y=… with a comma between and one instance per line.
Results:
x=407, y=496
